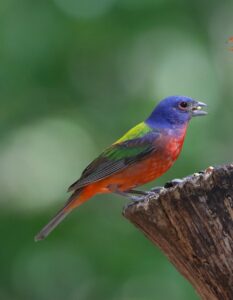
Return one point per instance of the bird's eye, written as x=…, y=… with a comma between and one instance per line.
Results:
x=183, y=105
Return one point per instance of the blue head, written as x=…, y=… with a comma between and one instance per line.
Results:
x=175, y=111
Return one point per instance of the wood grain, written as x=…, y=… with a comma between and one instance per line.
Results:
x=192, y=223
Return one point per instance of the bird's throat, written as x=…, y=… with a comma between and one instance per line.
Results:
x=175, y=141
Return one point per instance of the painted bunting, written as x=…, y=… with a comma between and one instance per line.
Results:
x=230, y=40
x=143, y=154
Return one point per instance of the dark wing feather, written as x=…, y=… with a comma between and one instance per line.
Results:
x=116, y=158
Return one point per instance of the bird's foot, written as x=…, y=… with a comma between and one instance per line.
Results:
x=144, y=194
x=148, y=194
x=135, y=199
x=155, y=190
x=138, y=196
x=137, y=192
x=135, y=195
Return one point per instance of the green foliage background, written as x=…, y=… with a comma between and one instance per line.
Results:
x=74, y=76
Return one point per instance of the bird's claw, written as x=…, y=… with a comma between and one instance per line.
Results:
x=155, y=190
x=137, y=198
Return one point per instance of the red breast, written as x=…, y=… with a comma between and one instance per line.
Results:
x=143, y=171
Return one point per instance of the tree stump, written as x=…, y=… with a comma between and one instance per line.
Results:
x=192, y=223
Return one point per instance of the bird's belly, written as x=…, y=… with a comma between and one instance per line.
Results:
x=151, y=168
x=135, y=175
x=143, y=171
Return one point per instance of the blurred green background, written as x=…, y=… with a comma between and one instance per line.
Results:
x=74, y=76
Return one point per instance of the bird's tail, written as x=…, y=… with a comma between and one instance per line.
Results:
x=75, y=200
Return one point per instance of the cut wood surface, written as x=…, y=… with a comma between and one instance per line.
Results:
x=192, y=223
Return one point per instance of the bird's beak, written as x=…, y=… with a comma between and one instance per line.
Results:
x=197, y=109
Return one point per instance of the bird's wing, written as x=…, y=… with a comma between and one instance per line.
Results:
x=126, y=151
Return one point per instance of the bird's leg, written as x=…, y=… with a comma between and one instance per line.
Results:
x=151, y=192
x=130, y=194
x=137, y=192
x=134, y=195
x=156, y=190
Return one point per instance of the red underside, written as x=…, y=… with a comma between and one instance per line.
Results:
x=138, y=174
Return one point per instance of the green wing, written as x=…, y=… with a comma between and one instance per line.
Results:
x=136, y=132
x=129, y=149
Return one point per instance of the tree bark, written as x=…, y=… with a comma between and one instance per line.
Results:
x=192, y=223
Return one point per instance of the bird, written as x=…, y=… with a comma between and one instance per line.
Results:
x=230, y=40
x=141, y=155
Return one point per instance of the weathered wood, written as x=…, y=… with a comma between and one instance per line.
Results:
x=192, y=223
